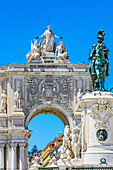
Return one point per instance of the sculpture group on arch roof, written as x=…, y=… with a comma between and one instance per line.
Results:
x=39, y=49
x=98, y=67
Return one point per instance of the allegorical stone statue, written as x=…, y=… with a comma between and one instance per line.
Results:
x=3, y=101
x=35, y=51
x=67, y=141
x=66, y=138
x=99, y=66
x=17, y=99
x=76, y=140
x=49, y=44
x=62, y=52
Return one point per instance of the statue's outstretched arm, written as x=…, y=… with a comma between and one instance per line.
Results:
x=58, y=37
x=43, y=35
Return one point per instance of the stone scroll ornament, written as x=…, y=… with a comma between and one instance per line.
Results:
x=99, y=65
x=101, y=113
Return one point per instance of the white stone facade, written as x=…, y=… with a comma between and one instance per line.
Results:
x=43, y=88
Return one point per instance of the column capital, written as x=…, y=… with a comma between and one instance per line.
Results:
x=22, y=145
x=13, y=145
x=8, y=145
x=2, y=145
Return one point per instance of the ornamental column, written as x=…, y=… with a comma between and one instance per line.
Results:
x=13, y=156
x=2, y=156
x=21, y=159
x=8, y=156
x=26, y=157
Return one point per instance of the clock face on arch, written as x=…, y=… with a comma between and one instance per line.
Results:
x=102, y=135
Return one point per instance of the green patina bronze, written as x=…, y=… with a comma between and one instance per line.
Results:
x=99, y=65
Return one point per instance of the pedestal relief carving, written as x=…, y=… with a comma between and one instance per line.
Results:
x=101, y=112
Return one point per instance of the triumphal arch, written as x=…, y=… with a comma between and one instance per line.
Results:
x=48, y=83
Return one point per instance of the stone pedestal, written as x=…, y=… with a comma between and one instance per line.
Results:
x=97, y=128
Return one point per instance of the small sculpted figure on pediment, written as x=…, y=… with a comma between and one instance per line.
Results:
x=35, y=51
x=62, y=52
x=17, y=99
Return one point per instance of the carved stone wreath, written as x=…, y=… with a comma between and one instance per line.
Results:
x=101, y=113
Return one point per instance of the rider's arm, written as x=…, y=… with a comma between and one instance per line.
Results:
x=92, y=53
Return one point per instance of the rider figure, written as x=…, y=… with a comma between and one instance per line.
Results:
x=97, y=50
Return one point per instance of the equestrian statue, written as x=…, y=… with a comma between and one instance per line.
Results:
x=99, y=65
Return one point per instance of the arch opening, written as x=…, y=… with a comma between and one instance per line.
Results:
x=55, y=110
x=45, y=128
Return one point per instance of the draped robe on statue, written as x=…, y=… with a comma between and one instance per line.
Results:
x=49, y=40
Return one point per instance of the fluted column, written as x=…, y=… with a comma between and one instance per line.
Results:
x=2, y=156
x=25, y=157
x=8, y=156
x=21, y=159
x=13, y=156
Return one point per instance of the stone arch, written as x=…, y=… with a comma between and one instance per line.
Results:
x=57, y=110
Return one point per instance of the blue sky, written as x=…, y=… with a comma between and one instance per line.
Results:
x=78, y=23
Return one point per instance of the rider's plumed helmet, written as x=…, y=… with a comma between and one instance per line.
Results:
x=100, y=34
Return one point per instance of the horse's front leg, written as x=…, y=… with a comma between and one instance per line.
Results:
x=93, y=84
x=102, y=81
x=98, y=75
